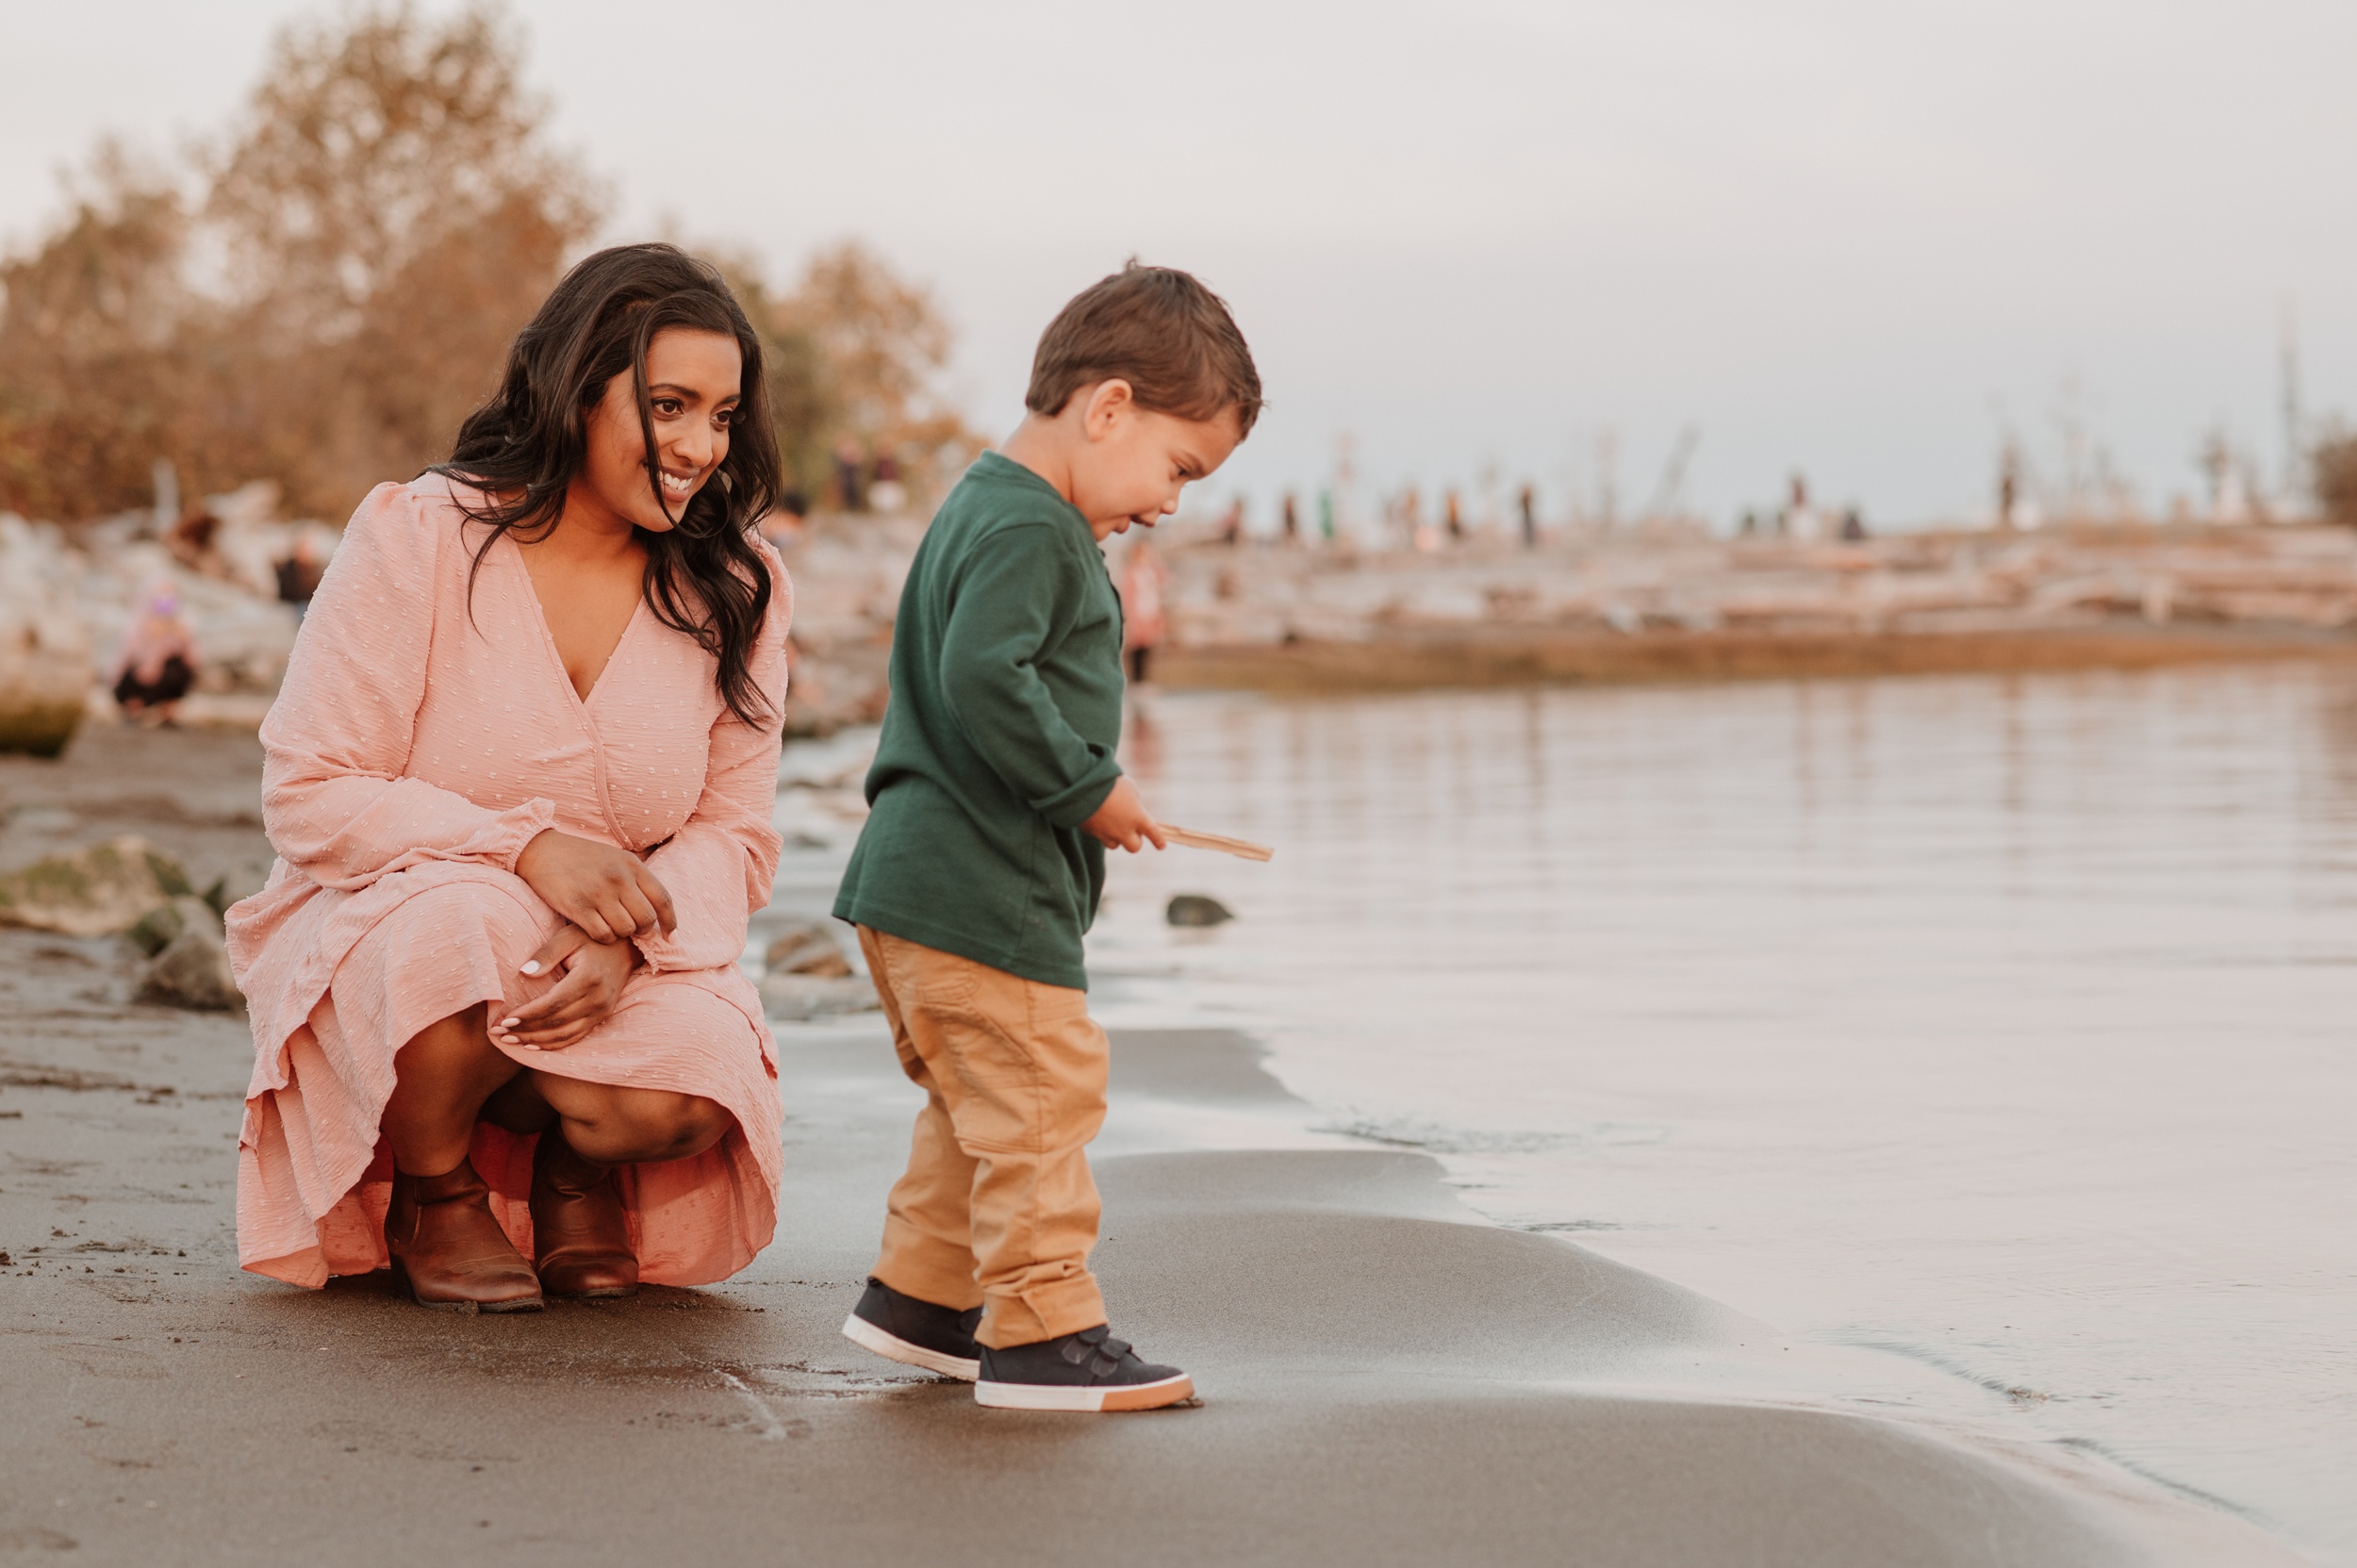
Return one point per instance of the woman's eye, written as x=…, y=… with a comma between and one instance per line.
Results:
x=668, y=408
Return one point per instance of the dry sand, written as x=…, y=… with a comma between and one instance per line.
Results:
x=1386, y=1378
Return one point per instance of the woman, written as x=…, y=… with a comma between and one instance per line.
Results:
x=519, y=779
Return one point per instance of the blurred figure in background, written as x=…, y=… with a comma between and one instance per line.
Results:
x=194, y=541
x=1144, y=583
x=1528, y=502
x=1800, y=519
x=1232, y=523
x=299, y=575
x=783, y=525
x=158, y=661
x=1456, y=517
x=1291, y=516
x=849, y=490
x=887, y=494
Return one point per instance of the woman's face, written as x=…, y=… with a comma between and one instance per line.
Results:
x=693, y=381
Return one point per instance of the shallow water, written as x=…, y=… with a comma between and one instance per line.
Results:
x=1999, y=1024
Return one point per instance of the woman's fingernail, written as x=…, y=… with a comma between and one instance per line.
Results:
x=531, y=966
x=509, y=1023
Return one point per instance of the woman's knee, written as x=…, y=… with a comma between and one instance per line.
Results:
x=616, y=1126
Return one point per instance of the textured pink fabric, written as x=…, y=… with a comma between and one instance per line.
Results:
x=420, y=742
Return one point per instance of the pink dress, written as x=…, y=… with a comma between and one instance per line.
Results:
x=420, y=742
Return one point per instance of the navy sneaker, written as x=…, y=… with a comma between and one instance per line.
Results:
x=1087, y=1371
x=916, y=1333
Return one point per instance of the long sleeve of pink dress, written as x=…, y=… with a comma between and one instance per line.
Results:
x=426, y=732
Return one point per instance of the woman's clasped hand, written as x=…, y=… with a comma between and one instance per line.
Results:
x=599, y=889
x=607, y=892
x=595, y=973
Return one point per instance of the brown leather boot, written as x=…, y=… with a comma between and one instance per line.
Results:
x=578, y=1228
x=455, y=1256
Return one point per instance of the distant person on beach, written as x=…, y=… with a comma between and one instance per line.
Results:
x=519, y=778
x=159, y=662
x=783, y=526
x=299, y=575
x=1290, y=520
x=1145, y=581
x=1800, y=521
x=194, y=541
x=1527, y=499
x=995, y=797
x=851, y=491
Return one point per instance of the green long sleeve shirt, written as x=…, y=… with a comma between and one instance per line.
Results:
x=999, y=741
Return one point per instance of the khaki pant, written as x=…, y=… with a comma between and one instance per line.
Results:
x=998, y=1206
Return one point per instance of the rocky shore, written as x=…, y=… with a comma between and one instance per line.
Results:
x=1261, y=614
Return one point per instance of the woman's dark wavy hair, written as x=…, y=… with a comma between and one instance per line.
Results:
x=522, y=447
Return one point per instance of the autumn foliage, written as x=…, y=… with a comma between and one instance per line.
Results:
x=319, y=297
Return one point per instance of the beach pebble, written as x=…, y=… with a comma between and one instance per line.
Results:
x=809, y=949
x=1196, y=909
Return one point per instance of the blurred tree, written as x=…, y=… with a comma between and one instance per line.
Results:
x=384, y=216
x=391, y=216
x=385, y=219
x=95, y=351
x=2334, y=466
x=855, y=352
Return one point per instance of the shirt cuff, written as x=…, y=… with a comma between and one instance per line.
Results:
x=1076, y=805
x=505, y=837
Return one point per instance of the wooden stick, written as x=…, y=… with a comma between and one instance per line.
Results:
x=1241, y=849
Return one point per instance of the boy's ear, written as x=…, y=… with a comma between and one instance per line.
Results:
x=1106, y=402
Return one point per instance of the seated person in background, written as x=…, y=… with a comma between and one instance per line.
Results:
x=157, y=663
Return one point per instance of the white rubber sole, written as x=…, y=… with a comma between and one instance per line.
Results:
x=893, y=1347
x=1059, y=1396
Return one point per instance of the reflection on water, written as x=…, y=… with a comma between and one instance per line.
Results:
x=1999, y=1023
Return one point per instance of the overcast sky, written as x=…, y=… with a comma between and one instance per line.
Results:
x=1846, y=239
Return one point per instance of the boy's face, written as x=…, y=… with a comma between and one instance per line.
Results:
x=1134, y=461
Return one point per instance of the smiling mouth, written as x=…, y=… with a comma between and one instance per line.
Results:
x=679, y=485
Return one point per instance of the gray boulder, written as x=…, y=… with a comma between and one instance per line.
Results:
x=191, y=968
x=98, y=890
x=1196, y=909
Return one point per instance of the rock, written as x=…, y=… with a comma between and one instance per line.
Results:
x=808, y=949
x=161, y=926
x=98, y=890
x=1195, y=909
x=237, y=885
x=192, y=971
x=800, y=997
x=44, y=642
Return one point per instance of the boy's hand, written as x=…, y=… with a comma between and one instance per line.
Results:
x=1123, y=822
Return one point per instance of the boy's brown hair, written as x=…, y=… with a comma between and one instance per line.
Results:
x=1160, y=330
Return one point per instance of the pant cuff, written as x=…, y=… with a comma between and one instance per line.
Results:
x=1043, y=1311
x=944, y=1281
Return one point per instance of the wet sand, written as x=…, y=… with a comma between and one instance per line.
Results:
x=1386, y=1378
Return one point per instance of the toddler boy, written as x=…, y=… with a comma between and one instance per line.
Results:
x=994, y=795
